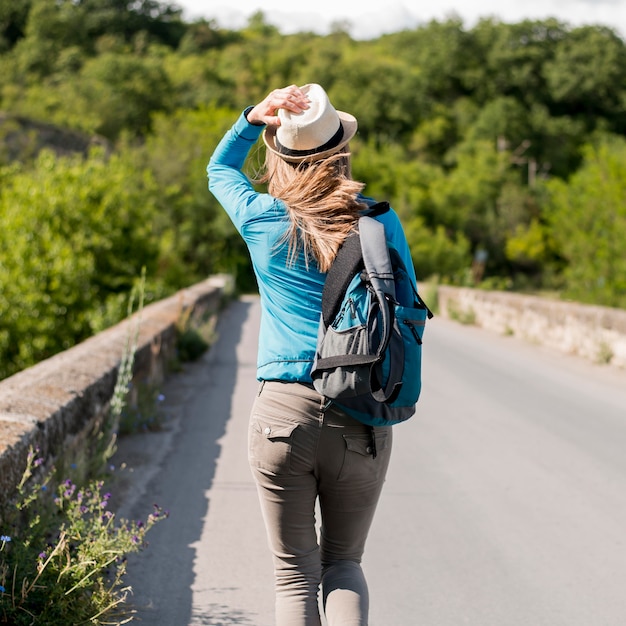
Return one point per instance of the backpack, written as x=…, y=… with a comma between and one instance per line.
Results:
x=369, y=346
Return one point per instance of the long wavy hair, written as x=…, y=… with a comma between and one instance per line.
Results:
x=322, y=204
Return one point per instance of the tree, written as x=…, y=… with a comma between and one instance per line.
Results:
x=390, y=174
x=435, y=253
x=198, y=238
x=381, y=117
x=121, y=93
x=466, y=199
x=439, y=54
x=587, y=215
x=586, y=76
x=509, y=59
x=75, y=235
x=13, y=17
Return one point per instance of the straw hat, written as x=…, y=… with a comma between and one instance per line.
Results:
x=312, y=134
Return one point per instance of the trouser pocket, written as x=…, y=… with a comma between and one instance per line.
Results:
x=270, y=444
x=360, y=462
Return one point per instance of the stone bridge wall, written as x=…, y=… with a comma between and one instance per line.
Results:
x=59, y=406
x=593, y=332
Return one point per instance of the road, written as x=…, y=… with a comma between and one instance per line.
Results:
x=505, y=502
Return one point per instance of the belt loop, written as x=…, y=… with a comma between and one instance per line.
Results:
x=258, y=393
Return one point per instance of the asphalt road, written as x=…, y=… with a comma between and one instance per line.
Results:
x=505, y=503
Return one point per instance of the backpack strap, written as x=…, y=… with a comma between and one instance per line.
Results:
x=347, y=263
x=380, y=274
x=376, y=256
x=377, y=209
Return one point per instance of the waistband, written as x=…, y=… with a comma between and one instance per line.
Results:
x=328, y=412
x=306, y=390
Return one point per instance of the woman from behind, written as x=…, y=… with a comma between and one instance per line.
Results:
x=303, y=450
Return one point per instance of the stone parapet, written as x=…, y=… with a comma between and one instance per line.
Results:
x=592, y=332
x=62, y=402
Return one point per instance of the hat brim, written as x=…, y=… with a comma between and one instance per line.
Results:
x=348, y=123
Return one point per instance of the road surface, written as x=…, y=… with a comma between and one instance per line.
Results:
x=505, y=502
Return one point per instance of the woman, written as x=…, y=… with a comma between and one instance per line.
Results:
x=301, y=449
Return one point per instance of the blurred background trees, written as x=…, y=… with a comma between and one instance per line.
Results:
x=501, y=147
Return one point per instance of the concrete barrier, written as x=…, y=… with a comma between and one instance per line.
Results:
x=60, y=405
x=592, y=332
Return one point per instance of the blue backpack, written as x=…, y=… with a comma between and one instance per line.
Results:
x=369, y=349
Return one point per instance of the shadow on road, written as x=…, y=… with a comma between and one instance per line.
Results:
x=176, y=469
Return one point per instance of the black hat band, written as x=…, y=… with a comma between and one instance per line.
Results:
x=333, y=142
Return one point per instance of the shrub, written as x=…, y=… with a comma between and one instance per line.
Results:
x=63, y=554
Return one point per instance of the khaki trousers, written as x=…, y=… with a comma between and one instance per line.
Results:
x=300, y=451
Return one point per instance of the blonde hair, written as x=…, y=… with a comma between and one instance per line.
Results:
x=321, y=201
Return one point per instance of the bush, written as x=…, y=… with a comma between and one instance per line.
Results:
x=63, y=554
x=587, y=216
x=75, y=233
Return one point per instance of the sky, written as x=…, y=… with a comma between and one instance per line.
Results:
x=369, y=18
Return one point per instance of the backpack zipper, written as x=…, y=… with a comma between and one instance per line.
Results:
x=349, y=305
x=411, y=325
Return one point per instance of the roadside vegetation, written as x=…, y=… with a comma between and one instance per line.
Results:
x=63, y=551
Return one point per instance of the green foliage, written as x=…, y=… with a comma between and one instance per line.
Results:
x=194, y=336
x=529, y=244
x=588, y=219
x=38, y=25
x=509, y=58
x=466, y=199
x=63, y=554
x=111, y=94
x=435, y=253
x=13, y=16
x=122, y=92
x=75, y=232
x=145, y=413
x=586, y=73
x=191, y=345
x=200, y=239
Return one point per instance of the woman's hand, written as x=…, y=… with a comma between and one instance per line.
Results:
x=266, y=112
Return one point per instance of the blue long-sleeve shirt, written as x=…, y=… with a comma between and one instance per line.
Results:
x=291, y=294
